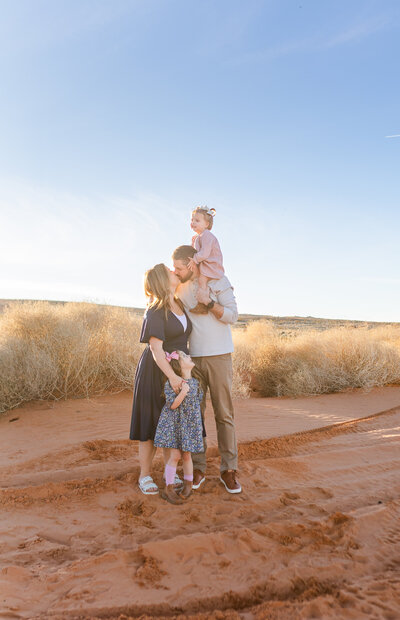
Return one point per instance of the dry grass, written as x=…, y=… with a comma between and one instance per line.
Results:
x=314, y=362
x=53, y=351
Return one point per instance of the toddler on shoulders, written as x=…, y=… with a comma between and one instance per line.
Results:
x=208, y=256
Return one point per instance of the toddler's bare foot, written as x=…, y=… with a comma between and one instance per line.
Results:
x=199, y=309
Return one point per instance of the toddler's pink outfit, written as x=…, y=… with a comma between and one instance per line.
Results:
x=209, y=255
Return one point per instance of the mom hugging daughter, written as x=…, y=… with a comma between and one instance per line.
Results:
x=165, y=384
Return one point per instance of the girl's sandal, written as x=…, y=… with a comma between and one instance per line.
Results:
x=148, y=486
x=178, y=483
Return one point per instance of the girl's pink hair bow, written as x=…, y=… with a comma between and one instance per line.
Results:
x=172, y=356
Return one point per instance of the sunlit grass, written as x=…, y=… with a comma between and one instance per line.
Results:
x=59, y=351
x=53, y=351
x=315, y=362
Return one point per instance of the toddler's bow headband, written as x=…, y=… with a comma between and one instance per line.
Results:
x=211, y=212
x=172, y=356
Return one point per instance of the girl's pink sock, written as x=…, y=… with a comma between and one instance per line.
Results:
x=170, y=474
x=187, y=477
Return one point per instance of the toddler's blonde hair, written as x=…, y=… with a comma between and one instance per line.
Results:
x=207, y=213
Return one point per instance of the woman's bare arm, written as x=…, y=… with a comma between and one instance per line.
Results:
x=161, y=361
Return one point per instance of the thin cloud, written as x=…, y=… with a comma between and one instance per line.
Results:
x=396, y=135
x=355, y=33
x=358, y=31
x=27, y=31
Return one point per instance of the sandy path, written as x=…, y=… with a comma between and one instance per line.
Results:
x=43, y=427
x=315, y=534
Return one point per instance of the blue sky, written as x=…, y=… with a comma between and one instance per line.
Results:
x=117, y=117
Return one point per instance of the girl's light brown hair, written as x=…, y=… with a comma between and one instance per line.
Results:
x=207, y=213
x=157, y=288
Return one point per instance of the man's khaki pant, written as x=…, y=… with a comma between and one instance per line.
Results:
x=217, y=372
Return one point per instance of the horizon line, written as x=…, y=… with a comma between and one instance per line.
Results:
x=272, y=316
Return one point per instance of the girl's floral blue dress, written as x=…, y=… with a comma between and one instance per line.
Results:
x=182, y=427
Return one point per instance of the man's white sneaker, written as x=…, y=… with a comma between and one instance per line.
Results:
x=198, y=478
x=228, y=479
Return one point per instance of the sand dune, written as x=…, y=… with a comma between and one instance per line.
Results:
x=315, y=534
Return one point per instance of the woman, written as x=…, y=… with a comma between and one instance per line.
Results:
x=166, y=328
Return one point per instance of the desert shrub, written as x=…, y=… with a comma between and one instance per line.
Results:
x=52, y=351
x=315, y=362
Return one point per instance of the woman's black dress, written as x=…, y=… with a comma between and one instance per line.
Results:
x=148, y=394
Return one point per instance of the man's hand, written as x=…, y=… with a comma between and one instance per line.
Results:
x=192, y=265
x=196, y=270
x=203, y=296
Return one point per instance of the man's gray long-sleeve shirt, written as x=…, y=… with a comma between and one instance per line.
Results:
x=210, y=336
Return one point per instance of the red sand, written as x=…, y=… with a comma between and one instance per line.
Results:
x=315, y=534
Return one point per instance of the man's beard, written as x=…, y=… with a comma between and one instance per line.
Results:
x=184, y=279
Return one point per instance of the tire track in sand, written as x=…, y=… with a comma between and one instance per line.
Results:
x=305, y=541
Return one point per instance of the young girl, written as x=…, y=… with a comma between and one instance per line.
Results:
x=180, y=425
x=208, y=256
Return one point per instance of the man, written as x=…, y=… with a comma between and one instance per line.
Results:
x=211, y=347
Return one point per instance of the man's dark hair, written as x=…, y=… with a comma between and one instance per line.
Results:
x=184, y=252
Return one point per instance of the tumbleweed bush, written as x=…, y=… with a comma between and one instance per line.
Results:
x=315, y=362
x=54, y=351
